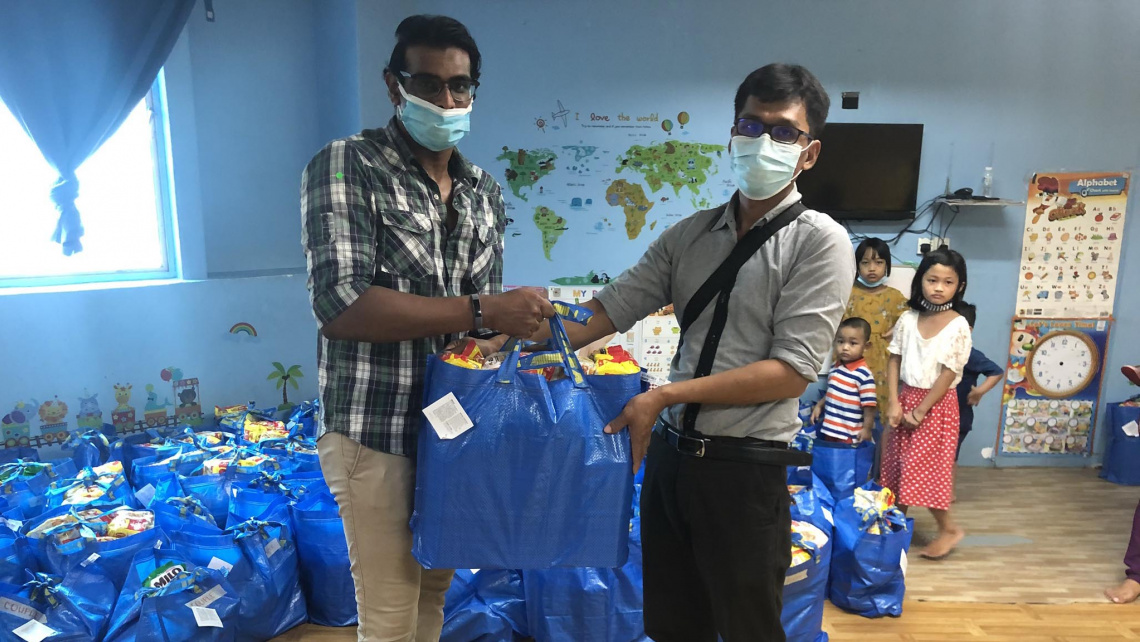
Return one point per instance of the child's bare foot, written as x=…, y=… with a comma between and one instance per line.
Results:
x=943, y=545
x=1125, y=593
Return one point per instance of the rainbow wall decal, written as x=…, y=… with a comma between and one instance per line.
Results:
x=243, y=328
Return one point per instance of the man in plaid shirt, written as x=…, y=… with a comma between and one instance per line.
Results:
x=402, y=235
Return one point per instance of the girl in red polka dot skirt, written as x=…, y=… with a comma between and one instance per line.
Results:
x=929, y=349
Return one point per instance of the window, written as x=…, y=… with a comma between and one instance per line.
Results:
x=123, y=203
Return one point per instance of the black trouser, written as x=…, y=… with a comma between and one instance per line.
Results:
x=716, y=545
x=965, y=425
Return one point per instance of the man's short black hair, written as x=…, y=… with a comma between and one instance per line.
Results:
x=437, y=32
x=969, y=312
x=859, y=323
x=779, y=82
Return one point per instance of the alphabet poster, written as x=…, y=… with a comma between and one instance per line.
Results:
x=1074, y=231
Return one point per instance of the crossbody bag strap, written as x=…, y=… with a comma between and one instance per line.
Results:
x=719, y=285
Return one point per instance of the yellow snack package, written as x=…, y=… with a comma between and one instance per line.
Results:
x=125, y=522
x=259, y=429
x=811, y=535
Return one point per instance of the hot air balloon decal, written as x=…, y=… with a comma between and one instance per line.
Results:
x=667, y=125
x=683, y=119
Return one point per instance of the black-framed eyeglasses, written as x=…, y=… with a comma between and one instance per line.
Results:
x=780, y=133
x=428, y=86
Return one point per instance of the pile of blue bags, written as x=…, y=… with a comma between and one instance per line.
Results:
x=581, y=604
x=172, y=536
x=869, y=543
x=606, y=604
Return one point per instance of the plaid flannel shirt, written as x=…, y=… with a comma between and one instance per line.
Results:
x=372, y=216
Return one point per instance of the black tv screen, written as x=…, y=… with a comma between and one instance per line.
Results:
x=865, y=171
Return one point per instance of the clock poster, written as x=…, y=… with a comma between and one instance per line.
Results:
x=1074, y=236
x=1052, y=386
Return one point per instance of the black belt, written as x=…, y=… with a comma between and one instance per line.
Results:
x=751, y=451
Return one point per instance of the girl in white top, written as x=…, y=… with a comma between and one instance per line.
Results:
x=929, y=350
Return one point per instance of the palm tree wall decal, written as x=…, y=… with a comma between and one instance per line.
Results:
x=284, y=378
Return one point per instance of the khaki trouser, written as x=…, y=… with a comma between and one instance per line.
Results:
x=397, y=599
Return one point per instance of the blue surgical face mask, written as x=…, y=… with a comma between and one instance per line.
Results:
x=869, y=284
x=430, y=125
x=762, y=166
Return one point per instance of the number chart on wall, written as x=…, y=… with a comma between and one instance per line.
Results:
x=1052, y=387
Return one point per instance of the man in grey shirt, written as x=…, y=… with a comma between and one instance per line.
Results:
x=715, y=529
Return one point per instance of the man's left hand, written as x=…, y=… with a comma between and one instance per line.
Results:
x=639, y=416
x=974, y=397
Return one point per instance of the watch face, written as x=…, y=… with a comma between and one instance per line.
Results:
x=1062, y=364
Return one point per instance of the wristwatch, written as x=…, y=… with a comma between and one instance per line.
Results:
x=477, y=312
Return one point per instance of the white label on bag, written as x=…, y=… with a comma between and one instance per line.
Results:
x=903, y=563
x=33, y=631
x=220, y=565
x=828, y=515
x=8, y=605
x=272, y=547
x=14, y=525
x=206, y=617
x=207, y=598
x=448, y=418
x=145, y=494
x=798, y=577
x=90, y=560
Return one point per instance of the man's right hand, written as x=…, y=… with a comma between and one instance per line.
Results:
x=518, y=313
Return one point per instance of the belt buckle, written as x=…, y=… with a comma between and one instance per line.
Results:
x=691, y=446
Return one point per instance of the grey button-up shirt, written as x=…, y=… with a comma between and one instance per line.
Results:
x=787, y=304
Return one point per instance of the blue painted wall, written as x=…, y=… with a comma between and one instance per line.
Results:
x=255, y=76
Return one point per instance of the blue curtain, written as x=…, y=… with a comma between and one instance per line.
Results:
x=71, y=72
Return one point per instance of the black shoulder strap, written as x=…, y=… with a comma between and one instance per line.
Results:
x=719, y=285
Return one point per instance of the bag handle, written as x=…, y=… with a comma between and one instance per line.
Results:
x=43, y=588
x=251, y=527
x=89, y=435
x=561, y=344
x=190, y=506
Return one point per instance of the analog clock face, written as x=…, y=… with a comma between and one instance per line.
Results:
x=1063, y=364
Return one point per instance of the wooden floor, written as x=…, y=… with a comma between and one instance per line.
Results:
x=930, y=622
x=947, y=622
x=1042, y=546
x=1034, y=536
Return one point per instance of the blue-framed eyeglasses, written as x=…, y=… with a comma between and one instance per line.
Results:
x=786, y=134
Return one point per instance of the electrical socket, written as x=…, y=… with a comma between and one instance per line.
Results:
x=934, y=242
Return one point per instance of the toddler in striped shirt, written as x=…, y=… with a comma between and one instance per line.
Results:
x=849, y=407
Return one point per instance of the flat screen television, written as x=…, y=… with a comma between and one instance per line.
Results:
x=865, y=172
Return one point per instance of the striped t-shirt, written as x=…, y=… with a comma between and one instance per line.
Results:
x=850, y=389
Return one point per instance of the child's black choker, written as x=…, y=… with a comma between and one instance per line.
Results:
x=930, y=307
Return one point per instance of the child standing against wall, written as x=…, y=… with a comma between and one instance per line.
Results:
x=969, y=392
x=929, y=350
x=877, y=303
x=848, y=406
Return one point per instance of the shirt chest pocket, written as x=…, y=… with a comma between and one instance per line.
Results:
x=407, y=245
x=485, y=251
